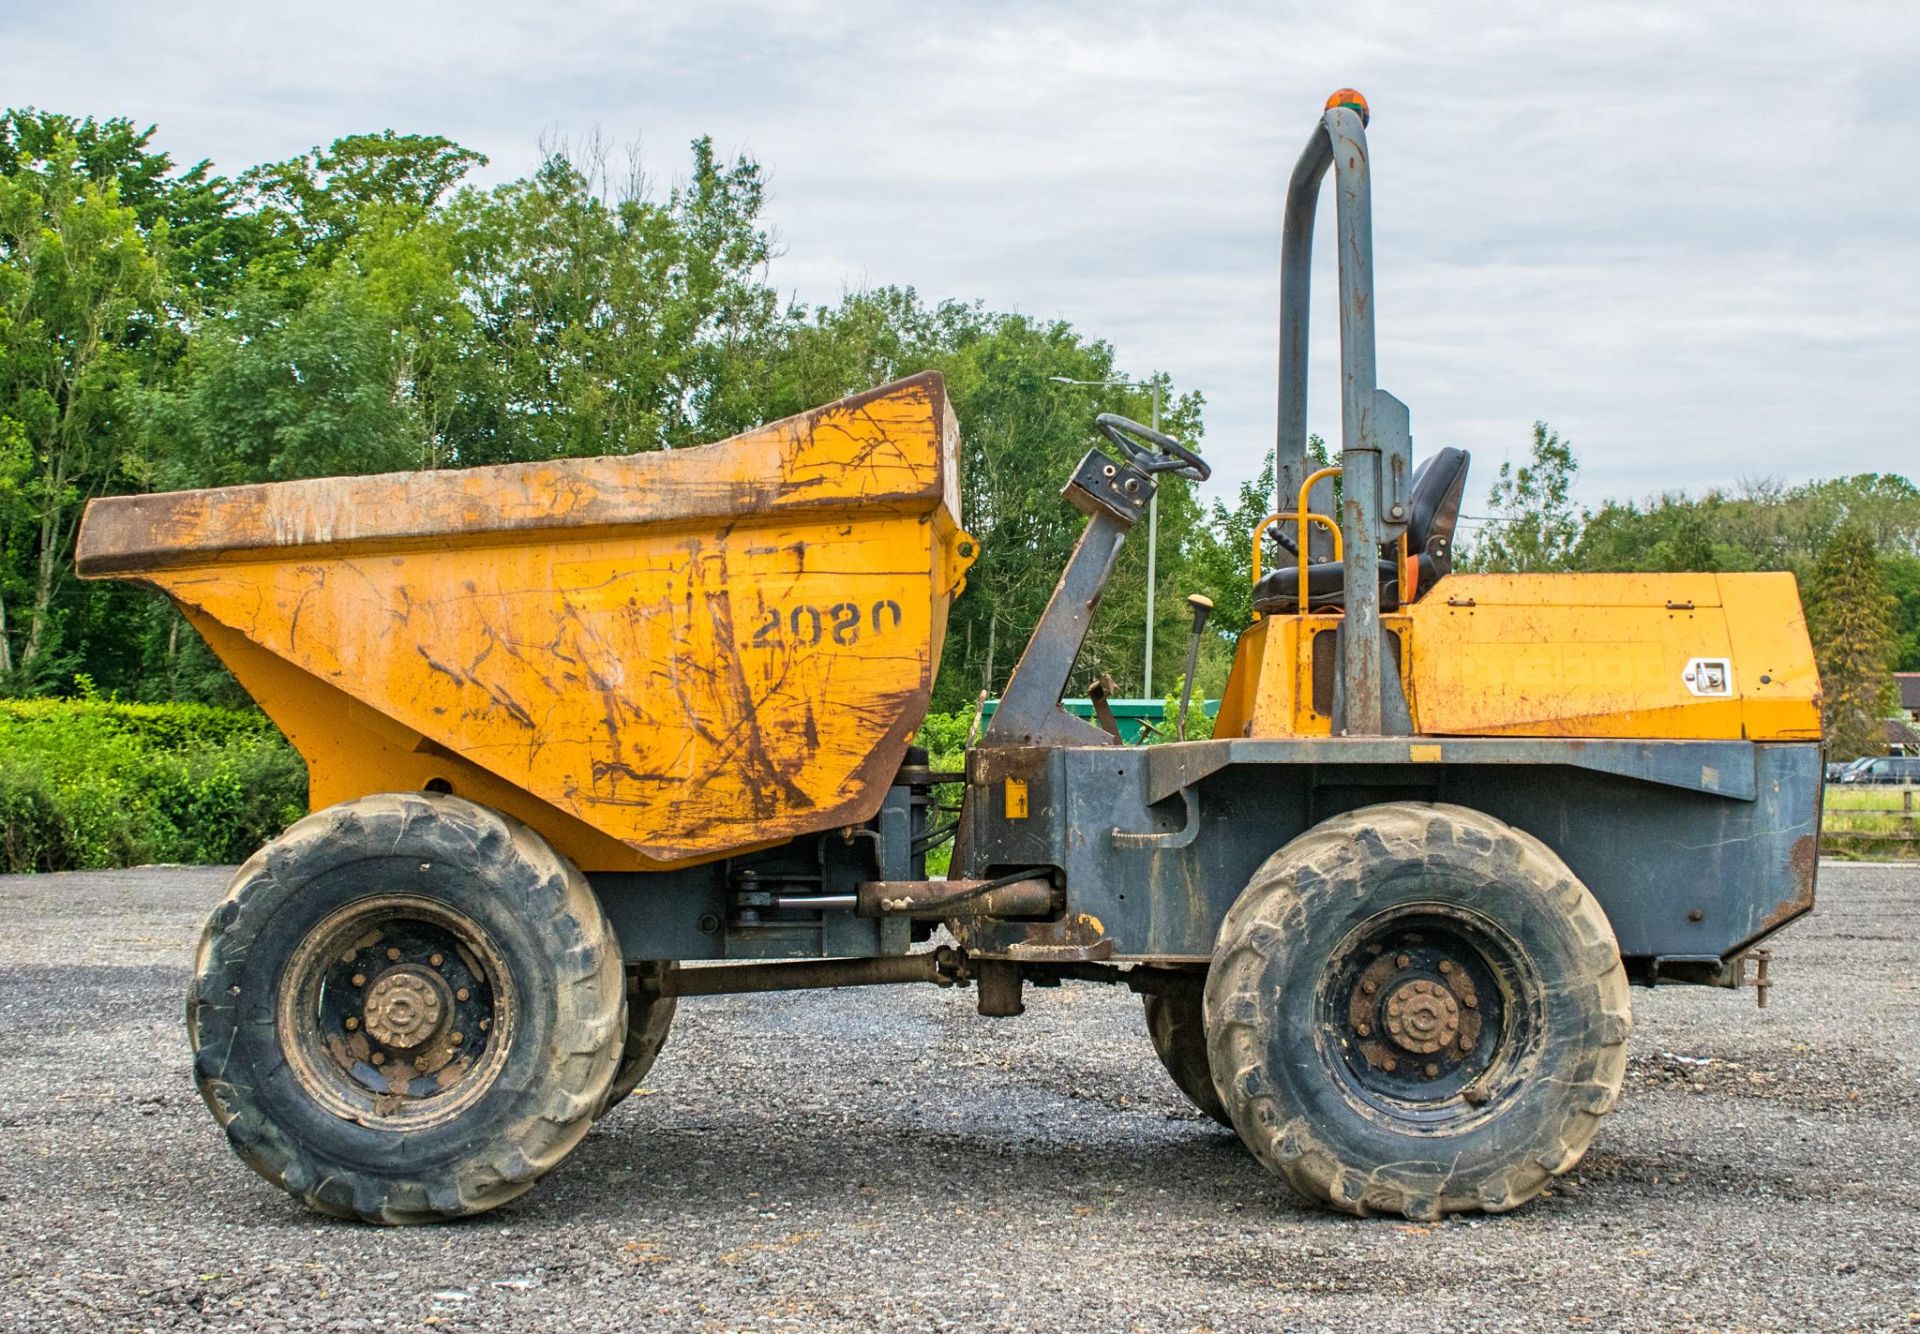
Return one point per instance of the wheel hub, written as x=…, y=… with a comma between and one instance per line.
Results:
x=404, y=1009
x=1423, y=1017
x=396, y=1011
x=1413, y=1001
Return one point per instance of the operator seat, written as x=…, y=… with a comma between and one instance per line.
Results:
x=1438, y=484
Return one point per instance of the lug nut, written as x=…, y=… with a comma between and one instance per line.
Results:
x=461, y=994
x=1363, y=1029
x=1387, y=1064
x=352, y=1023
x=379, y=1058
x=348, y=956
x=1446, y=965
x=393, y=953
x=359, y=979
x=1469, y=1001
x=1402, y=961
x=1432, y=1070
x=437, y=960
x=1369, y=987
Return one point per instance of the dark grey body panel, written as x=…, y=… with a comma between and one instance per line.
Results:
x=1696, y=849
x=790, y=902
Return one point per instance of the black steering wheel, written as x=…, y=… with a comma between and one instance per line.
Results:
x=1150, y=450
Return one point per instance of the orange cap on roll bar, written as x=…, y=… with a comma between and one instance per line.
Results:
x=1350, y=97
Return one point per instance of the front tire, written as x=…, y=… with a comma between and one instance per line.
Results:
x=408, y=1008
x=1417, y=1009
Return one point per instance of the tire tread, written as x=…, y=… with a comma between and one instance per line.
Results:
x=1238, y=1015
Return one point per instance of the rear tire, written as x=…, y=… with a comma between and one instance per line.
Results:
x=649, y=1018
x=408, y=1008
x=1417, y=1009
x=1177, y=1025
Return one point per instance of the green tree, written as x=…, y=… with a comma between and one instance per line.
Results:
x=1901, y=570
x=364, y=367
x=1759, y=525
x=1850, y=615
x=1535, y=527
x=207, y=245
x=1023, y=433
x=310, y=209
x=609, y=321
x=1223, y=562
x=81, y=296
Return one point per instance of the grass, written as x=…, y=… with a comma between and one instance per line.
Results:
x=1866, y=823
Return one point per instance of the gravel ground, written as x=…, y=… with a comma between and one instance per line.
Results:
x=888, y=1160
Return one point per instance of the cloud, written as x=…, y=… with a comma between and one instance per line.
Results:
x=1687, y=236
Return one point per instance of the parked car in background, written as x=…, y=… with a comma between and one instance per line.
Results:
x=1883, y=769
x=1835, y=768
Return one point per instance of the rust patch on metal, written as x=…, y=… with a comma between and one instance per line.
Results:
x=1077, y=937
x=1804, y=861
x=936, y=900
x=1426, y=1024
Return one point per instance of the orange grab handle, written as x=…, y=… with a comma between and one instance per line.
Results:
x=1301, y=516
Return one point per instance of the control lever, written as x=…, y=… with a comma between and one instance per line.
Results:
x=1202, y=608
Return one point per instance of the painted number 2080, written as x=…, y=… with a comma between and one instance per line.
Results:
x=805, y=625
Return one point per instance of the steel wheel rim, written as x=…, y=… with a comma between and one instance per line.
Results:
x=396, y=1012
x=1427, y=1016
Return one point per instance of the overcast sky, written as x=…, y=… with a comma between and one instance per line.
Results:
x=1687, y=234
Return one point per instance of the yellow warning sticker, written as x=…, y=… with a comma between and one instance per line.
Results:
x=1016, y=798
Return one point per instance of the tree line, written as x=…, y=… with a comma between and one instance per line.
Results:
x=367, y=307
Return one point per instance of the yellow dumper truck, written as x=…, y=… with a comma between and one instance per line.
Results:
x=585, y=737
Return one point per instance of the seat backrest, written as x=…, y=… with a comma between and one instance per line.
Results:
x=1438, y=486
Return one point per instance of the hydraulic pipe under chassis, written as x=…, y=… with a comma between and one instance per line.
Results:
x=945, y=966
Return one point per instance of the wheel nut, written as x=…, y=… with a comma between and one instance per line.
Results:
x=393, y=953
x=348, y=956
x=1446, y=965
x=437, y=960
x=1369, y=987
x=1466, y=1044
x=1387, y=1064
x=1469, y=1001
x=1432, y=1070
x=359, y=979
x=379, y=1058
x=1362, y=1029
x=352, y=1023
x=461, y=994
x=1402, y=961
x=457, y=1038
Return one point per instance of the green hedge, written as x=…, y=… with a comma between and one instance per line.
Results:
x=91, y=783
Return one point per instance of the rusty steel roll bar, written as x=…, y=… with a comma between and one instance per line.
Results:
x=1375, y=443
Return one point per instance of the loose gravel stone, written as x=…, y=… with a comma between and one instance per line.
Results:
x=886, y=1159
